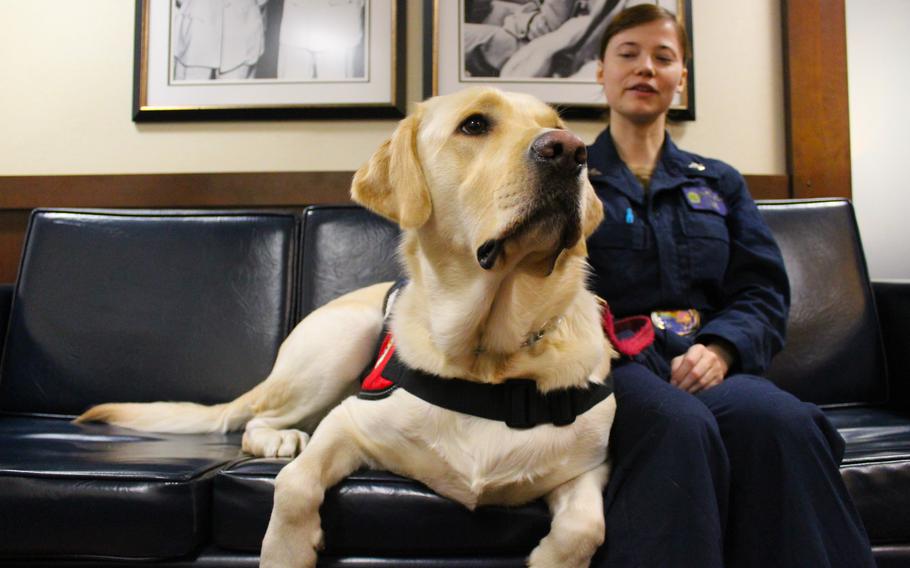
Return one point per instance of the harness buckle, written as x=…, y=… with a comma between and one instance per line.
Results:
x=562, y=411
x=520, y=408
x=525, y=405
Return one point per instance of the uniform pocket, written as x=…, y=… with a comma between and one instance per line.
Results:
x=619, y=236
x=622, y=258
x=705, y=225
x=708, y=244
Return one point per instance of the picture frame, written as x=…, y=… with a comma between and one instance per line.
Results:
x=559, y=66
x=268, y=60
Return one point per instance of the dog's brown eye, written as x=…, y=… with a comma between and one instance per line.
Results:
x=475, y=125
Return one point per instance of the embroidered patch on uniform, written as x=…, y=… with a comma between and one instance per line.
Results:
x=705, y=199
x=680, y=322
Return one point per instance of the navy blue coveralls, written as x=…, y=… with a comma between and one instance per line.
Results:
x=742, y=474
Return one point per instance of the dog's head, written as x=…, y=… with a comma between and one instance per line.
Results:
x=492, y=173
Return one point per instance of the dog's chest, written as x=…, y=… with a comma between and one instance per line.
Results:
x=477, y=461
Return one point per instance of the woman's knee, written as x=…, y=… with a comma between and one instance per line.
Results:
x=674, y=418
x=653, y=413
x=755, y=412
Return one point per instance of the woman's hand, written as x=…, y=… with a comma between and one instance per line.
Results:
x=701, y=367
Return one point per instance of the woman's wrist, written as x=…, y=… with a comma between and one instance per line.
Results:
x=724, y=351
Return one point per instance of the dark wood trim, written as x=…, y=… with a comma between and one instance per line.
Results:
x=272, y=189
x=768, y=186
x=13, y=224
x=267, y=189
x=816, y=98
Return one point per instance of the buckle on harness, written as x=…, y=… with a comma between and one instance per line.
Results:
x=562, y=411
x=524, y=412
x=520, y=408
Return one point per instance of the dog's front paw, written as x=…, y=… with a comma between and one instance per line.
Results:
x=292, y=544
x=558, y=553
x=287, y=554
x=264, y=442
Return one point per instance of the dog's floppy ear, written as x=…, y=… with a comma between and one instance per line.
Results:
x=392, y=183
x=593, y=213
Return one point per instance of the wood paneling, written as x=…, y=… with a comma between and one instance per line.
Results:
x=273, y=189
x=768, y=187
x=268, y=189
x=12, y=234
x=816, y=98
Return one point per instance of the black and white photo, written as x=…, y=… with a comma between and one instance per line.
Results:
x=217, y=39
x=216, y=59
x=544, y=47
x=322, y=40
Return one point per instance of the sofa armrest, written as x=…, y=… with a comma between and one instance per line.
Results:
x=892, y=299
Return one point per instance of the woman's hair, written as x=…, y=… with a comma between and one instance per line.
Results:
x=640, y=15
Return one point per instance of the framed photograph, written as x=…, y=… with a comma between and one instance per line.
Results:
x=268, y=59
x=547, y=48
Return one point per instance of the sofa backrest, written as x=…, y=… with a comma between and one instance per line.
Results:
x=133, y=306
x=141, y=306
x=345, y=247
x=833, y=353
x=834, y=350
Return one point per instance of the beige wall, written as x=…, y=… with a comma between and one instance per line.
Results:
x=66, y=96
x=878, y=38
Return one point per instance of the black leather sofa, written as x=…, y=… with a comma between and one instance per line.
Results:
x=131, y=305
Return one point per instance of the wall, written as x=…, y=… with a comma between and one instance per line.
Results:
x=67, y=94
x=878, y=39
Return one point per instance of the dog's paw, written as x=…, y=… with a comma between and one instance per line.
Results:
x=266, y=442
x=292, y=542
x=286, y=555
x=549, y=554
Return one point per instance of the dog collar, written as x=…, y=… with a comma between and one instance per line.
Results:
x=533, y=337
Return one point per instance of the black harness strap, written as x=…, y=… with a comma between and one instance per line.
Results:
x=517, y=402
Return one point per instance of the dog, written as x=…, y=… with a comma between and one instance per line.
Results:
x=493, y=200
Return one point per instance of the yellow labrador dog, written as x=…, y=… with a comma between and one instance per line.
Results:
x=492, y=195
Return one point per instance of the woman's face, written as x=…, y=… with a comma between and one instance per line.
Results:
x=641, y=71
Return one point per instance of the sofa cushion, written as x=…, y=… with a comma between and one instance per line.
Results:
x=375, y=513
x=345, y=247
x=123, y=306
x=833, y=353
x=384, y=514
x=876, y=469
x=99, y=491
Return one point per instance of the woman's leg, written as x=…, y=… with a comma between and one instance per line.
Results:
x=788, y=504
x=666, y=500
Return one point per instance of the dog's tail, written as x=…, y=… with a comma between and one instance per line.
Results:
x=176, y=417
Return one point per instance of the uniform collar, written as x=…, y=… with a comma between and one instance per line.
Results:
x=674, y=167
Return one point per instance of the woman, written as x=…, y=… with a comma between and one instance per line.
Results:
x=218, y=39
x=713, y=465
x=321, y=40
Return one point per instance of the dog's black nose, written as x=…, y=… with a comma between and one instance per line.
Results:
x=561, y=149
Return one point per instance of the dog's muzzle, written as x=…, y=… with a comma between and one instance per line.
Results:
x=559, y=158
